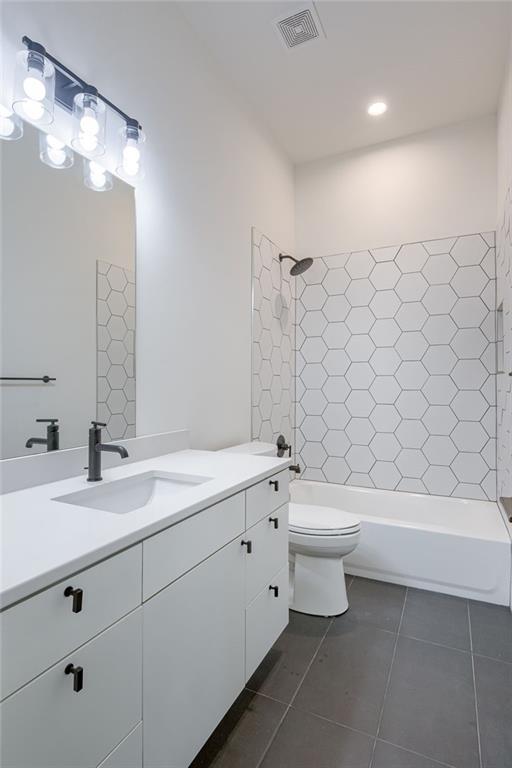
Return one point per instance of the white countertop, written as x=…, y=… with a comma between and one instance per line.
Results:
x=43, y=541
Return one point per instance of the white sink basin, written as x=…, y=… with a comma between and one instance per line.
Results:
x=131, y=493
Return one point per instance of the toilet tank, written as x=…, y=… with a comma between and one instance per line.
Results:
x=255, y=449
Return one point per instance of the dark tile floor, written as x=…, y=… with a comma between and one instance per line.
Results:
x=405, y=679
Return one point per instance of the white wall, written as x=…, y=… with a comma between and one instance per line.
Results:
x=426, y=186
x=210, y=175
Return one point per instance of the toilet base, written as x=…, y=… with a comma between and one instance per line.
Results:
x=317, y=585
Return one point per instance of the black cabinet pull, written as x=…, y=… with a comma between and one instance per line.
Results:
x=275, y=521
x=247, y=544
x=77, y=595
x=275, y=590
x=78, y=677
x=275, y=483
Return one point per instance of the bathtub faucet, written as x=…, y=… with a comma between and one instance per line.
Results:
x=295, y=468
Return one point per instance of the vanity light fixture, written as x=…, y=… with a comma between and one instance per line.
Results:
x=377, y=108
x=96, y=177
x=41, y=80
x=130, y=159
x=89, y=116
x=34, y=87
x=11, y=125
x=54, y=152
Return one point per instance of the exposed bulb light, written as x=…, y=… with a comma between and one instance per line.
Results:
x=11, y=126
x=54, y=152
x=96, y=177
x=34, y=88
x=132, y=141
x=377, y=108
x=89, y=123
x=34, y=85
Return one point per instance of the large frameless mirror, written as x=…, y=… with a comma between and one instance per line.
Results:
x=67, y=304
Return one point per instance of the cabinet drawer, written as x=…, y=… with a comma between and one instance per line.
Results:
x=168, y=555
x=265, y=619
x=43, y=629
x=127, y=754
x=269, y=551
x=263, y=498
x=49, y=725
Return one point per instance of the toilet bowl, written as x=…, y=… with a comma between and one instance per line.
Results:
x=319, y=539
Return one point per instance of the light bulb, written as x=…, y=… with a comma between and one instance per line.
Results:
x=57, y=156
x=98, y=179
x=34, y=110
x=131, y=152
x=53, y=142
x=34, y=88
x=89, y=123
x=131, y=168
x=6, y=126
x=88, y=141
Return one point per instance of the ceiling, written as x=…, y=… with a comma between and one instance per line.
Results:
x=434, y=63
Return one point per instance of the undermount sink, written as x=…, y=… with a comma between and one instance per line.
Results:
x=131, y=493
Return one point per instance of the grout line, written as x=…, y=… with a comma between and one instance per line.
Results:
x=419, y=754
x=474, y=689
x=274, y=734
x=388, y=681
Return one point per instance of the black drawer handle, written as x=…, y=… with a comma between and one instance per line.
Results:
x=77, y=595
x=275, y=521
x=275, y=483
x=78, y=677
x=247, y=544
x=275, y=590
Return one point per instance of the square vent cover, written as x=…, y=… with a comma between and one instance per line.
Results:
x=299, y=28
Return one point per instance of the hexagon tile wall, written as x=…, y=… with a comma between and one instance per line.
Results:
x=273, y=327
x=396, y=368
x=504, y=293
x=115, y=334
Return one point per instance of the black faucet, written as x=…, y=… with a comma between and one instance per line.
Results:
x=52, y=436
x=95, y=449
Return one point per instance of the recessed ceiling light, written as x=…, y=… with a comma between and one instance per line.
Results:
x=377, y=108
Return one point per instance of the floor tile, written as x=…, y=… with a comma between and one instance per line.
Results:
x=430, y=705
x=491, y=629
x=280, y=673
x=494, y=695
x=389, y=756
x=376, y=603
x=306, y=741
x=347, y=679
x=436, y=618
x=244, y=733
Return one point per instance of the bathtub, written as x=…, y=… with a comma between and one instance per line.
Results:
x=456, y=546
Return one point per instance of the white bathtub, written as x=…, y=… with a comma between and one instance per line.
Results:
x=455, y=546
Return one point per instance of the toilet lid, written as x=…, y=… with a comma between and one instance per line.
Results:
x=322, y=521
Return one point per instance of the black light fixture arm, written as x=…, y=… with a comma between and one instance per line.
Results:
x=31, y=45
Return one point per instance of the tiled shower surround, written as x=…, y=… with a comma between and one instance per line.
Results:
x=396, y=368
x=273, y=344
x=504, y=379
x=115, y=335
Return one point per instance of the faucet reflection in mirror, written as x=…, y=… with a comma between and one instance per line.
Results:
x=41, y=83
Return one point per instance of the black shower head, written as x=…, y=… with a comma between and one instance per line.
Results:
x=299, y=266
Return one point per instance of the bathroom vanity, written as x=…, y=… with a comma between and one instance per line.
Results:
x=127, y=635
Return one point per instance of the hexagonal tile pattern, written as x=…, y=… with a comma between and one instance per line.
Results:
x=504, y=383
x=395, y=358
x=115, y=334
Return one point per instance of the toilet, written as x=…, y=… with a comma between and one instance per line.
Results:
x=319, y=539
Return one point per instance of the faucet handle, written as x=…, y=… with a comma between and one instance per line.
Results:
x=98, y=424
x=47, y=421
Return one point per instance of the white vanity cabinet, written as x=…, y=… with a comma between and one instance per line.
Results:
x=138, y=670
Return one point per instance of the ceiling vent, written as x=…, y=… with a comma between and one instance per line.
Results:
x=299, y=28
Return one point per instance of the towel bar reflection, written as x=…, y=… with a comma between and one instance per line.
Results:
x=44, y=378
